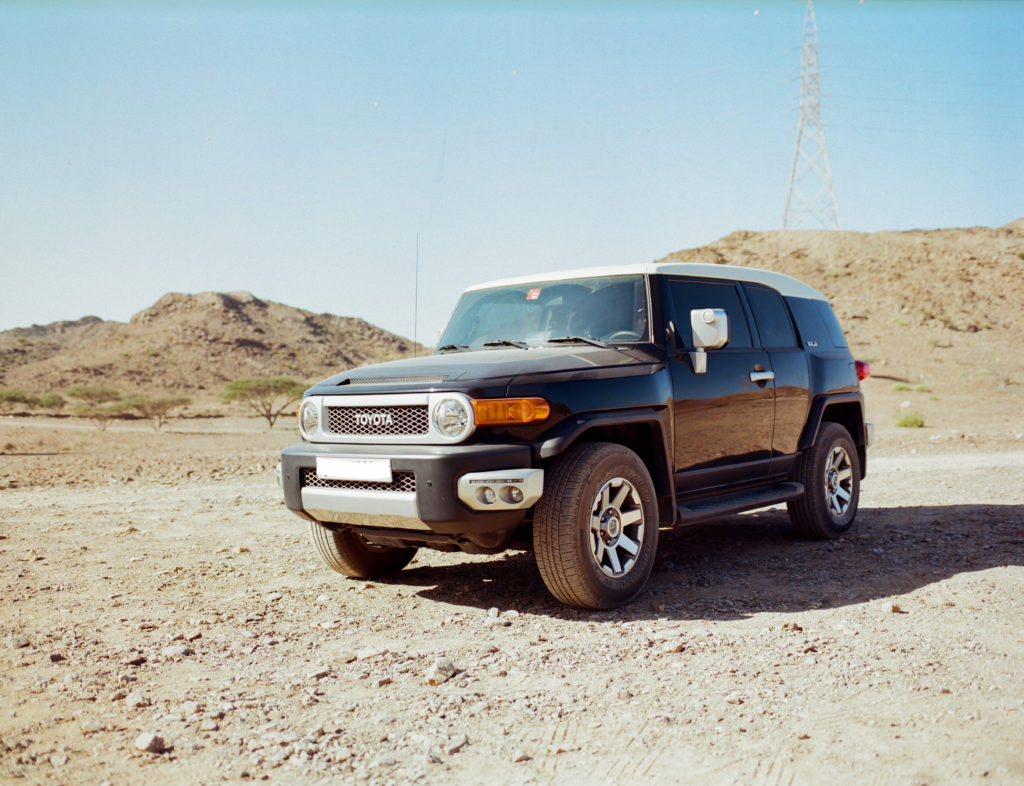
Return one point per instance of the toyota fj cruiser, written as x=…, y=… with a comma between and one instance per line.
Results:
x=576, y=413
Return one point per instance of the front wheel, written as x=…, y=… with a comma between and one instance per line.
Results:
x=595, y=530
x=346, y=552
x=830, y=474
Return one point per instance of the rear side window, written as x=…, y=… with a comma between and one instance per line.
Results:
x=689, y=295
x=816, y=322
x=813, y=332
x=771, y=317
x=828, y=316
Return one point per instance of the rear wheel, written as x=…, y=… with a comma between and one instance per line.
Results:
x=830, y=474
x=595, y=530
x=347, y=553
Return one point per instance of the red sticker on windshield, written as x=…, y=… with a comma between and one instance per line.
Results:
x=533, y=294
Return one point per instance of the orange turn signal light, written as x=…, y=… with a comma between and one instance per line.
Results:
x=510, y=411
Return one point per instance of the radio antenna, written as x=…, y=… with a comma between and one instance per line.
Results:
x=416, y=300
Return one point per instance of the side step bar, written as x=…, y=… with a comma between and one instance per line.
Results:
x=736, y=502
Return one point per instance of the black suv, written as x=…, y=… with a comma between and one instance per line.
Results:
x=576, y=413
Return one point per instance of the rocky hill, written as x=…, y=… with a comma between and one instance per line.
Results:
x=192, y=343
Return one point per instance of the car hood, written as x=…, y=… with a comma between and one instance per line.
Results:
x=466, y=368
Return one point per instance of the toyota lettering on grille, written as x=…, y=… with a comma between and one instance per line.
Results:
x=374, y=419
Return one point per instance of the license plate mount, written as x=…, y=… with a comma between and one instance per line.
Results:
x=371, y=470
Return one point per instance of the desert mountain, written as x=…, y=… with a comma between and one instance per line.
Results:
x=192, y=343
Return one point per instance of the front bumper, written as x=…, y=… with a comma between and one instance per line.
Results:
x=430, y=504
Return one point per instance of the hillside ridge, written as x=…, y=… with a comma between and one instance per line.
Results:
x=191, y=343
x=923, y=304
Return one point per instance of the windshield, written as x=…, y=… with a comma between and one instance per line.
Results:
x=609, y=309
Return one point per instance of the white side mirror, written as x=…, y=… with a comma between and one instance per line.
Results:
x=710, y=328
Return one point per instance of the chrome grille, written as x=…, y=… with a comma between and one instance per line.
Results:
x=401, y=482
x=405, y=420
x=432, y=380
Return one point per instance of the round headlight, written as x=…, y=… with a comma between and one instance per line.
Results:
x=451, y=417
x=309, y=417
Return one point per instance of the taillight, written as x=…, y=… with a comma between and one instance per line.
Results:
x=863, y=369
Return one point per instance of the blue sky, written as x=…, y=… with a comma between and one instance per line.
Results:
x=297, y=150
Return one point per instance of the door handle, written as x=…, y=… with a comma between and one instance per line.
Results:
x=762, y=376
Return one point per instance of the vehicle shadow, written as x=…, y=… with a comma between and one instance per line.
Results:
x=748, y=564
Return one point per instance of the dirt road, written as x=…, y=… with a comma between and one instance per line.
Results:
x=188, y=605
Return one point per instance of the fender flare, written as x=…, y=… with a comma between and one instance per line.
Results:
x=817, y=413
x=559, y=439
x=858, y=432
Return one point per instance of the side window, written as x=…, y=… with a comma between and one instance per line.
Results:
x=688, y=295
x=771, y=317
x=828, y=316
x=808, y=320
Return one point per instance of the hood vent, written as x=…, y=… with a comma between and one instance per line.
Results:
x=429, y=380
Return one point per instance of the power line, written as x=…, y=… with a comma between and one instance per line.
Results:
x=929, y=132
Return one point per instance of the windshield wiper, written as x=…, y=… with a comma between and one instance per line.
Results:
x=453, y=347
x=506, y=343
x=578, y=340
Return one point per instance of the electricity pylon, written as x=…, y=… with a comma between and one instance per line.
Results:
x=810, y=200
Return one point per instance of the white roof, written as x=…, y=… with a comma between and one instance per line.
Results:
x=785, y=285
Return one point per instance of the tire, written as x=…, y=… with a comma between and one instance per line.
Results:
x=830, y=474
x=347, y=553
x=595, y=529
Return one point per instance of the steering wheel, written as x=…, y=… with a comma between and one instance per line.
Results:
x=624, y=335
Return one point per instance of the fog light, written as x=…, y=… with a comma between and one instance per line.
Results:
x=512, y=494
x=486, y=495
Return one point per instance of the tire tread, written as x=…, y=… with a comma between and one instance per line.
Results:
x=556, y=547
x=345, y=552
x=808, y=513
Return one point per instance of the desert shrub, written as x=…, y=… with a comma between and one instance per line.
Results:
x=30, y=400
x=901, y=386
x=51, y=401
x=268, y=397
x=158, y=410
x=923, y=389
x=14, y=396
x=910, y=419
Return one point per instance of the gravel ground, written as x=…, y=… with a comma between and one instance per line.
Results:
x=173, y=624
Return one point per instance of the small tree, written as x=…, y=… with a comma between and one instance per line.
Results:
x=100, y=414
x=268, y=397
x=158, y=410
x=94, y=394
